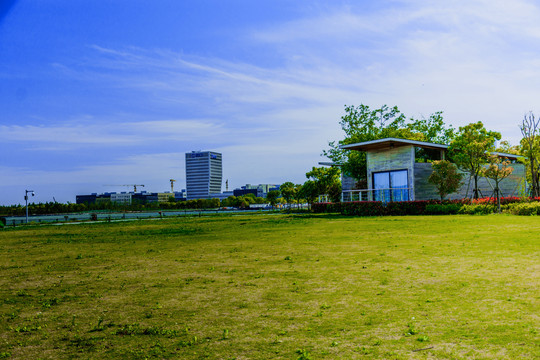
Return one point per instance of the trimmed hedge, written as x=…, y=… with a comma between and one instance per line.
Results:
x=512, y=205
x=532, y=208
x=478, y=209
x=375, y=208
x=443, y=209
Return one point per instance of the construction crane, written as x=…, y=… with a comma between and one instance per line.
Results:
x=130, y=185
x=172, y=185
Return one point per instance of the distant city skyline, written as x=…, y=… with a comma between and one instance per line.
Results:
x=116, y=92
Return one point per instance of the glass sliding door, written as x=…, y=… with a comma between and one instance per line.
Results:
x=399, y=184
x=391, y=186
x=381, y=184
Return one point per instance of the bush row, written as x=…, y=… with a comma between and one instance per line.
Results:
x=512, y=205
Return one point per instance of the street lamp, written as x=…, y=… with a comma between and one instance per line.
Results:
x=26, y=199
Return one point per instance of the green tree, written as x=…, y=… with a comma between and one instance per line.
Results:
x=445, y=177
x=530, y=148
x=288, y=191
x=309, y=191
x=327, y=181
x=497, y=170
x=272, y=197
x=470, y=149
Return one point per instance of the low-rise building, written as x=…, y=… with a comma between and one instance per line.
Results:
x=395, y=174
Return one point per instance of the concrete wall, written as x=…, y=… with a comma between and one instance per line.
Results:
x=397, y=158
x=425, y=191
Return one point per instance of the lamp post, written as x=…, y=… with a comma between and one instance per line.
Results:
x=26, y=199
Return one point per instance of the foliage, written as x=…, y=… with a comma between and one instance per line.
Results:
x=445, y=177
x=470, y=147
x=361, y=123
x=61, y=208
x=532, y=208
x=272, y=197
x=530, y=148
x=477, y=209
x=497, y=170
x=443, y=209
x=309, y=191
x=242, y=202
x=288, y=191
x=375, y=208
x=326, y=181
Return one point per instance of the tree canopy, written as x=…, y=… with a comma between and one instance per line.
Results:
x=445, y=177
x=326, y=181
x=470, y=149
x=361, y=123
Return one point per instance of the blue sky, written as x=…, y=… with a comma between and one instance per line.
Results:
x=115, y=92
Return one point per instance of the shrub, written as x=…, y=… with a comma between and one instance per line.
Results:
x=532, y=208
x=477, y=209
x=442, y=209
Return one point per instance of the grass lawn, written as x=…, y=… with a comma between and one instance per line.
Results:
x=273, y=287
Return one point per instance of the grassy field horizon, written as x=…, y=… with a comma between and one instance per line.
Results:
x=273, y=287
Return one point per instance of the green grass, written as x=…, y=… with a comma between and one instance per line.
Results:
x=273, y=287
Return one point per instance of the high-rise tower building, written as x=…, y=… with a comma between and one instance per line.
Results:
x=203, y=174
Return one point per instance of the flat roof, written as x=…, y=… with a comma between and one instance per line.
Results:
x=509, y=156
x=328, y=163
x=390, y=142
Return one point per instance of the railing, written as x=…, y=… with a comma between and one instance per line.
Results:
x=384, y=195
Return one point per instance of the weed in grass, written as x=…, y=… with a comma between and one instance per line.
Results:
x=22, y=293
x=423, y=338
x=225, y=334
x=287, y=258
x=325, y=307
x=27, y=329
x=364, y=350
x=186, y=343
x=411, y=328
x=84, y=343
x=303, y=355
x=99, y=326
x=334, y=344
x=5, y=355
x=12, y=316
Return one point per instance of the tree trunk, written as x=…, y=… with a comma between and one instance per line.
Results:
x=475, y=191
x=498, y=198
x=534, y=181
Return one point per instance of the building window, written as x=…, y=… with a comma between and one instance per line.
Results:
x=391, y=186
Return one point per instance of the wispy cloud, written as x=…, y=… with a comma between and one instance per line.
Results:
x=87, y=132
